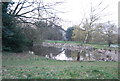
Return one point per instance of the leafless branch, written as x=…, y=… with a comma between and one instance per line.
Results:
x=16, y=7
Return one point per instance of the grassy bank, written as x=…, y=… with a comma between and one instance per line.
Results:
x=56, y=41
x=94, y=45
x=28, y=66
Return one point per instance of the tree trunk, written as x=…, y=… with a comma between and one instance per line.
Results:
x=109, y=42
x=86, y=38
x=78, y=56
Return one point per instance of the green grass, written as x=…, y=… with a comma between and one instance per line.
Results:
x=57, y=41
x=98, y=46
x=26, y=66
x=94, y=45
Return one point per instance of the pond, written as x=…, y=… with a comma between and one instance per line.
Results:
x=73, y=55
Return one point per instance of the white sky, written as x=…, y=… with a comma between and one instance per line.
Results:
x=75, y=10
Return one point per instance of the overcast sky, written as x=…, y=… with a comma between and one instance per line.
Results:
x=75, y=10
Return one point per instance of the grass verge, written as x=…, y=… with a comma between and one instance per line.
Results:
x=28, y=66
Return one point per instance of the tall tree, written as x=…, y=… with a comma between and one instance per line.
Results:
x=49, y=31
x=98, y=35
x=90, y=21
x=34, y=10
x=69, y=32
x=110, y=30
x=12, y=36
x=22, y=12
x=78, y=34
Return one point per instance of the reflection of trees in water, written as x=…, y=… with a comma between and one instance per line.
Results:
x=74, y=54
x=85, y=55
x=68, y=53
x=42, y=51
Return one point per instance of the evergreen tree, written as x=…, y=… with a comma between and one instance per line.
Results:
x=69, y=32
x=12, y=37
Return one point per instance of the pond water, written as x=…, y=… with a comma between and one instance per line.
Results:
x=72, y=55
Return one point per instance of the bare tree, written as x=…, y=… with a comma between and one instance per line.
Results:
x=89, y=22
x=28, y=12
x=94, y=16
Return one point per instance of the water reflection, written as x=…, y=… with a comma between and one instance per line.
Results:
x=85, y=55
x=46, y=51
x=62, y=56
